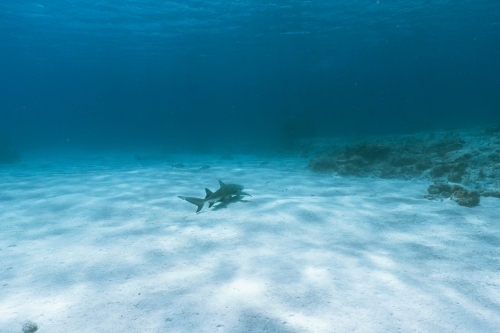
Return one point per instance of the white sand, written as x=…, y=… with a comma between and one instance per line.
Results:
x=107, y=247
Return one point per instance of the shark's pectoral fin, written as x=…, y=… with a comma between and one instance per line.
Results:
x=244, y=193
x=210, y=204
x=196, y=201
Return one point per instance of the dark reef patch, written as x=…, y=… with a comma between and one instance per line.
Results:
x=467, y=159
x=439, y=190
x=459, y=194
x=464, y=197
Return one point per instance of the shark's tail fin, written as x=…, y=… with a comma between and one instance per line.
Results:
x=198, y=202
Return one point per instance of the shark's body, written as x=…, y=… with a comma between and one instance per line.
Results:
x=223, y=194
x=230, y=201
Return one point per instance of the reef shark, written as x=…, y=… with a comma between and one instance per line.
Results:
x=223, y=194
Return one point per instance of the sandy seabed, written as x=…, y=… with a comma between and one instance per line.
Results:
x=105, y=245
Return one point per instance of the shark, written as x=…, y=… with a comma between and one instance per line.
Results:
x=230, y=201
x=223, y=194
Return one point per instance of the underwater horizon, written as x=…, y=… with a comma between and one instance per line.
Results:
x=249, y=166
x=208, y=74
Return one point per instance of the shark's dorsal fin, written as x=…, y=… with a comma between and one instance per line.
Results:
x=221, y=183
x=208, y=192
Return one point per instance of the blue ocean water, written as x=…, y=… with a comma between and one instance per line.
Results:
x=204, y=74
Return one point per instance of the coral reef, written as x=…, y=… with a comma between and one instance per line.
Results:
x=438, y=190
x=457, y=193
x=381, y=160
x=464, y=197
x=467, y=159
x=492, y=193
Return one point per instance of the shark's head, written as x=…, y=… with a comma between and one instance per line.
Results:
x=239, y=190
x=235, y=188
x=231, y=189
